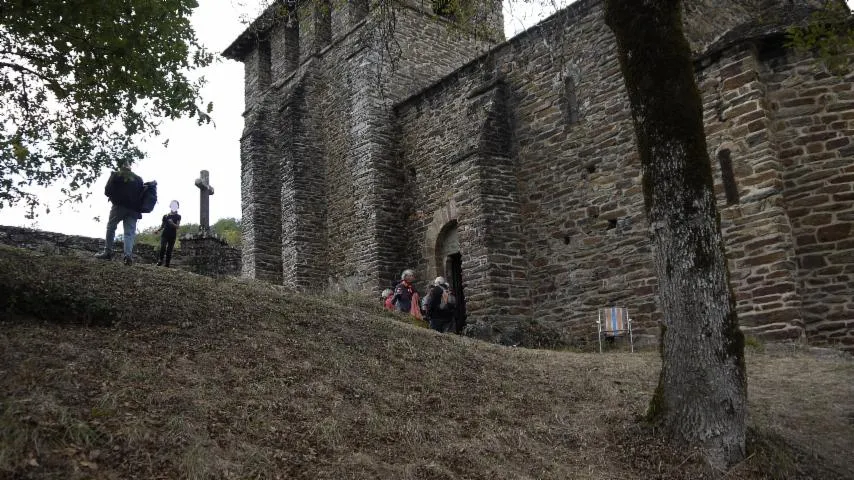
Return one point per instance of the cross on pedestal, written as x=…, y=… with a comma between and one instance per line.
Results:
x=205, y=191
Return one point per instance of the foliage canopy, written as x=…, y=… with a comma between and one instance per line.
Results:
x=830, y=34
x=82, y=82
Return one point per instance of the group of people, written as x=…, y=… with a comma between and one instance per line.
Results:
x=438, y=307
x=124, y=190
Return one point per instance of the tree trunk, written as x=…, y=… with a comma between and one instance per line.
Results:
x=701, y=395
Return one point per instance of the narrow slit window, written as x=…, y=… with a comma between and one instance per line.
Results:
x=264, y=64
x=292, y=46
x=728, y=177
x=323, y=23
x=571, y=99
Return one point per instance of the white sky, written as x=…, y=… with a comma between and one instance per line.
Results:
x=193, y=148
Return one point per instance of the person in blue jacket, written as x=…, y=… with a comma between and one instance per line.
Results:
x=124, y=190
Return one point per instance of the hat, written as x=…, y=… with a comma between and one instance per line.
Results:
x=440, y=281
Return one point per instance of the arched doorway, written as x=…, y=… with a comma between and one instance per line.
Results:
x=449, y=264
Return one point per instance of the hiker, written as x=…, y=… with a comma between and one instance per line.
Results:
x=405, y=298
x=169, y=226
x=386, y=297
x=441, y=305
x=124, y=190
x=425, y=299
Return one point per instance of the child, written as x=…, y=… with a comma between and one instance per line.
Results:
x=169, y=226
x=386, y=299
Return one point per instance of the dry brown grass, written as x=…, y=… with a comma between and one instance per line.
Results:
x=230, y=379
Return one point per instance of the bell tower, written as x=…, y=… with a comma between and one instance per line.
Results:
x=322, y=188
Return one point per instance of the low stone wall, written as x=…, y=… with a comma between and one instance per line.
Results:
x=209, y=255
x=204, y=254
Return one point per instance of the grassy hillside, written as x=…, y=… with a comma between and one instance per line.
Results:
x=116, y=372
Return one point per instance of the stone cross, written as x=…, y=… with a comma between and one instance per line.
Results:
x=205, y=191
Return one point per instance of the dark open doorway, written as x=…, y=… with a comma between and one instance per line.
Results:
x=449, y=264
x=454, y=275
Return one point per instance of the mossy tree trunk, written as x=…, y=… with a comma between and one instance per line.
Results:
x=701, y=396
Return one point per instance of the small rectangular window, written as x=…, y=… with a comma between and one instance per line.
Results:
x=570, y=101
x=264, y=64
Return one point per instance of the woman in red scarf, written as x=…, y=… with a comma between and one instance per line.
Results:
x=405, y=298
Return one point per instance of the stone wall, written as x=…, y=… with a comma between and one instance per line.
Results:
x=766, y=111
x=72, y=245
x=261, y=200
x=322, y=197
x=205, y=255
x=523, y=157
x=785, y=125
x=743, y=143
x=562, y=231
x=813, y=120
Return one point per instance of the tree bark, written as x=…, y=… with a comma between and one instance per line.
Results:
x=701, y=399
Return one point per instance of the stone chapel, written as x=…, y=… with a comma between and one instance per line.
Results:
x=510, y=167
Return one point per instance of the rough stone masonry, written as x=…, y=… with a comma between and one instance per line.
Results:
x=510, y=167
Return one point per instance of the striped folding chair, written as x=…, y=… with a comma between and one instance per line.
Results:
x=614, y=322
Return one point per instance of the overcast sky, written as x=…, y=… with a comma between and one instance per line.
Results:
x=193, y=148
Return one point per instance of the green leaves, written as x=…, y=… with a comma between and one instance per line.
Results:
x=82, y=82
x=830, y=34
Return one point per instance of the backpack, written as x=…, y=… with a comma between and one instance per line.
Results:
x=449, y=301
x=148, y=197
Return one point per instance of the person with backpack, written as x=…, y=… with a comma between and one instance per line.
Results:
x=440, y=306
x=124, y=190
x=425, y=299
x=169, y=226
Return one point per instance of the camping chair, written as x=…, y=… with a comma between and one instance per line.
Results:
x=614, y=322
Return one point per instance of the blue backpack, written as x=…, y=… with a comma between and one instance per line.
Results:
x=148, y=198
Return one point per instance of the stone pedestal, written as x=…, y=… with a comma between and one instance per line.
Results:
x=206, y=254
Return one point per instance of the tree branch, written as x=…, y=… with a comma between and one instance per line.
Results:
x=55, y=86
